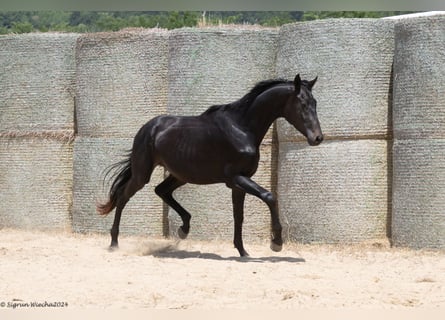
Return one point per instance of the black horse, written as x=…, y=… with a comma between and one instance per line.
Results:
x=220, y=145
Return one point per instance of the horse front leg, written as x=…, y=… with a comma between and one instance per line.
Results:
x=251, y=187
x=238, y=196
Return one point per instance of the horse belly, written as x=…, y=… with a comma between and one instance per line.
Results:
x=194, y=157
x=197, y=172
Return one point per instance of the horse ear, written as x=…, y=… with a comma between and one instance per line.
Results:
x=312, y=83
x=297, y=83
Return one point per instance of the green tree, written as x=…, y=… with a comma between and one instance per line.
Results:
x=79, y=21
x=77, y=18
x=21, y=27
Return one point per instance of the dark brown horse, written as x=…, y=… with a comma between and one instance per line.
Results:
x=220, y=145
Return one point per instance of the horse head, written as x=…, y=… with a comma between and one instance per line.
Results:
x=301, y=111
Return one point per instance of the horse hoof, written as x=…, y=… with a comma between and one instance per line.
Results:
x=181, y=234
x=113, y=247
x=276, y=247
x=244, y=254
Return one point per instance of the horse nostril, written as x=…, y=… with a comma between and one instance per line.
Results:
x=319, y=139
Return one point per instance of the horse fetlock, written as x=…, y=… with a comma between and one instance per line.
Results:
x=241, y=250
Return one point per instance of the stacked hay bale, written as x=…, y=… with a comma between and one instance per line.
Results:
x=218, y=66
x=121, y=84
x=338, y=191
x=419, y=133
x=36, y=130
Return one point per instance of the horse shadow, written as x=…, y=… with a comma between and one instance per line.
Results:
x=183, y=254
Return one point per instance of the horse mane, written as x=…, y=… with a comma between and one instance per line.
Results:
x=245, y=102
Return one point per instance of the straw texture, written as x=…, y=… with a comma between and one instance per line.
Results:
x=333, y=193
x=352, y=59
x=121, y=84
x=419, y=73
x=418, y=193
x=92, y=156
x=36, y=175
x=419, y=132
x=36, y=130
x=121, y=81
x=37, y=82
x=218, y=66
x=338, y=191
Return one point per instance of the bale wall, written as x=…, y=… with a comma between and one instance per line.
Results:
x=419, y=131
x=218, y=66
x=36, y=130
x=335, y=192
x=121, y=84
x=100, y=88
x=418, y=219
x=36, y=179
x=338, y=191
x=121, y=81
x=37, y=82
x=352, y=59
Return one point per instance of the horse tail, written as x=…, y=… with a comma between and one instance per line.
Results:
x=121, y=177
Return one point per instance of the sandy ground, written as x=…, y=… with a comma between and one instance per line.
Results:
x=156, y=273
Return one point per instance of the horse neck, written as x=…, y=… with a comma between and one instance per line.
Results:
x=265, y=109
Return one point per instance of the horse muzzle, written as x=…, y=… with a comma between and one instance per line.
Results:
x=315, y=140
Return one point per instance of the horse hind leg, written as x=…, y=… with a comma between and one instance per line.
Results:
x=140, y=176
x=126, y=192
x=165, y=191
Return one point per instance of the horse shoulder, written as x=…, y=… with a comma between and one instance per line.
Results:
x=236, y=135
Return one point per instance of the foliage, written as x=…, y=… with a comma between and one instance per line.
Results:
x=78, y=21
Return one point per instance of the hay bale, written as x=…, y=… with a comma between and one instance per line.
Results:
x=92, y=156
x=333, y=193
x=352, y=59
x=36, y=177
x=212, y=211
x=418, y=219
x=218, y=66
x=37, y=82
x=416, y=15
x=419, y=78
x=121, y=81
x=338, y=191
